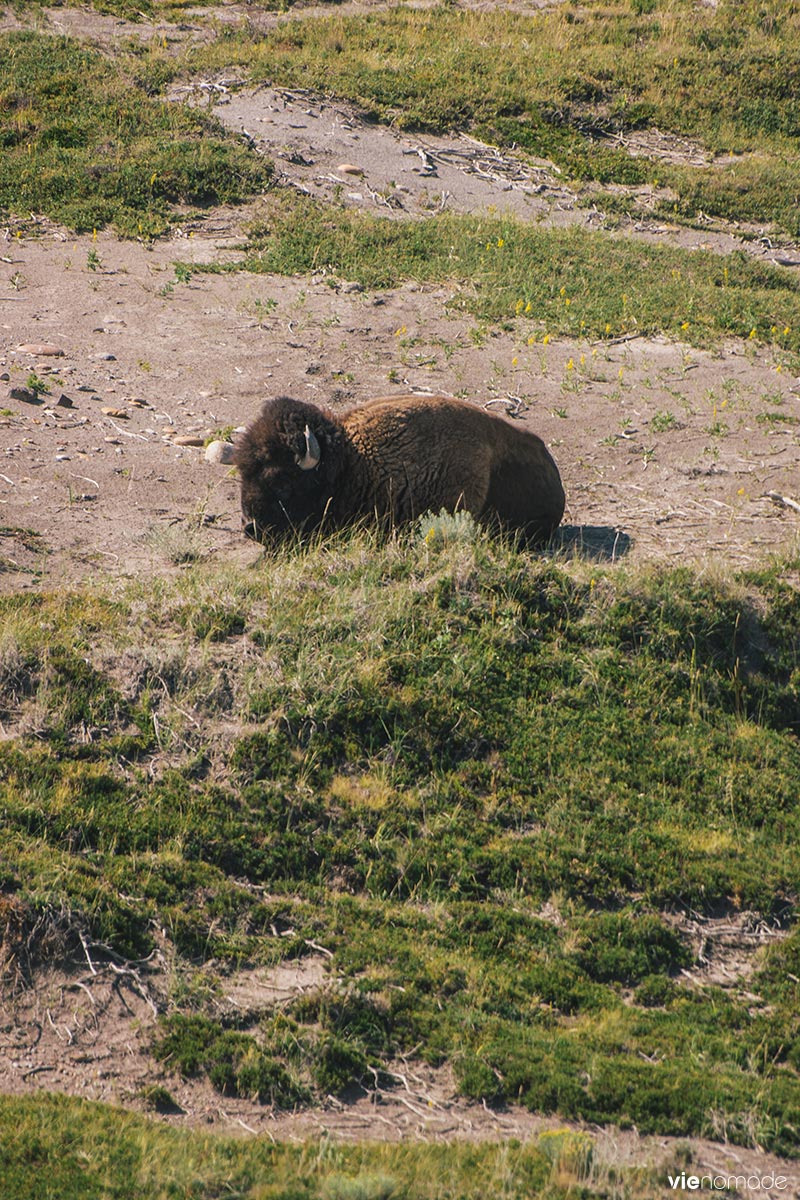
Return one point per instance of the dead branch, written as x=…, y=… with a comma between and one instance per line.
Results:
x=783, y=501
x=316, y=946
x=84, y=943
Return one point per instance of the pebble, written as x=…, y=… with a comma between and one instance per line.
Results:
x=219, y=452
x=188, y=439
x=5, y=376
x=349, y=169
x=105, y=358
x=64, y=401
x=348, y=289
x=40, y=348
x=107, y=411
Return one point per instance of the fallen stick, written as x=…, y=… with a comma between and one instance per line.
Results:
x=783, y=501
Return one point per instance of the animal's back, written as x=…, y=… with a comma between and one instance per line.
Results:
x=431, y=452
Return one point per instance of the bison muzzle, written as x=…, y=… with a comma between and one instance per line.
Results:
x=391, y=460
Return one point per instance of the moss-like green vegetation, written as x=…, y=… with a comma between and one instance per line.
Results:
x=570, y=83
x=84, y=142
x=571, y=282
x=479, y=781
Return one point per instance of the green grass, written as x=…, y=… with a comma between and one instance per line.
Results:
x=84, y=142
x=439, y=737
x=567, y=82
x=68, y=1150
x=139, y=11
x=571, y=282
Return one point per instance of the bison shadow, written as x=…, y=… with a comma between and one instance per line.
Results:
x=599, y=543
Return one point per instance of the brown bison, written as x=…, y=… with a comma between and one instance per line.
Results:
x=392, y=460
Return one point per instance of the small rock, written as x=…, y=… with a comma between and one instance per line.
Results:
x=105, y=357
x=120, y=413
x=5, y=376
x=347, y=289
x=137, y=403
x=64, y=401
x=25, y=395
x=219, y=452
x=188, y=439
x=349, y=169
x=40, y=348
x=62, y=458
x=113, y=441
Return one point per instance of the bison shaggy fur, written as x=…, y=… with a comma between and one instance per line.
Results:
x=391, y=460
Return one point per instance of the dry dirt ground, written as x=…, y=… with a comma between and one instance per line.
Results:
x=667, y=453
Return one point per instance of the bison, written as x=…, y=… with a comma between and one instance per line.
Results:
x=392, y=460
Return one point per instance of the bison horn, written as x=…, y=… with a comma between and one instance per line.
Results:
x=312, y=455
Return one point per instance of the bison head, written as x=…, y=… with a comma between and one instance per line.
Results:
x=287, y=461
